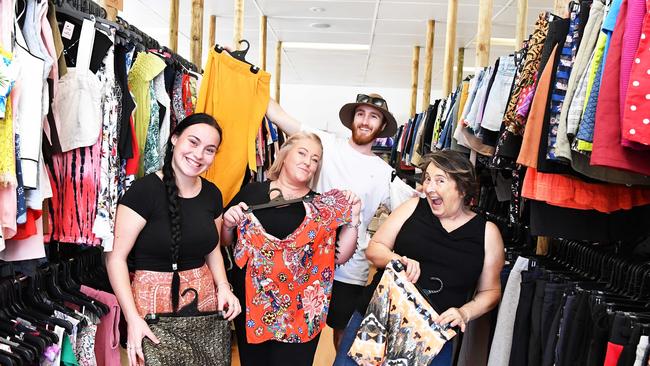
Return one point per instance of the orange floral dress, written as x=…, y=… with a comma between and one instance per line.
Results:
x=289, y=281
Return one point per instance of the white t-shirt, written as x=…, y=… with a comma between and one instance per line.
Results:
x=369, y=177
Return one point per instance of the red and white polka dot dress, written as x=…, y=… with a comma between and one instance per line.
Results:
x=636, y=115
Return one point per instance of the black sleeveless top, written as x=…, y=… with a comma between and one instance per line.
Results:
x=454, y=259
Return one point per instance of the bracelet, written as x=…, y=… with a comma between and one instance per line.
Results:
x=353, y=226
x=225, y=283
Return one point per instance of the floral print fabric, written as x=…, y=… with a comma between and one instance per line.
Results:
x=289, y=281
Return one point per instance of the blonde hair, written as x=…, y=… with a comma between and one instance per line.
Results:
x=275, y=169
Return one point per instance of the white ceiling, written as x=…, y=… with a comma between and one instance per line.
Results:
x=400, y=24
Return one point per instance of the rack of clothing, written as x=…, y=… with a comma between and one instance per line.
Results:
x=62, y=183
x=582, y=304
x=554, y=120
x=59, y=314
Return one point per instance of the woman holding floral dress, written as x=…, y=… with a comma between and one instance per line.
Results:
x=285, y=256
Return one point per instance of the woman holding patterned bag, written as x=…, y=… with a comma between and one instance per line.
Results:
x=170, y=219
x=453, y=255
x=286, y=256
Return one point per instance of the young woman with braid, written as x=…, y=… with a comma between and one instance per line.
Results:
x=171, y=220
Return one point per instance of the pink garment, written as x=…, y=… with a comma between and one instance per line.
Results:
x=6, y=21
x=636, y=10
x=107, y=341
x=607, y=149
x=30, y=248
x=8, y=211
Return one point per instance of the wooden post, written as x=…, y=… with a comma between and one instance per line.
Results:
x=522, y=16
x=459, y=65
x=450, y=47
x=111, y=8
x=415, y=67
x=561, y=8
x=483, y=33
x=212, y=35
x=173, y=25
x=428, y=64
x=263, y=42
x=278, y=70
x=238, y=27
x=196, y=42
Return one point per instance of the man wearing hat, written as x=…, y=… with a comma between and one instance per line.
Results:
x=350, y=164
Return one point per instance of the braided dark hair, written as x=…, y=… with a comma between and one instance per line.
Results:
x=173, y=203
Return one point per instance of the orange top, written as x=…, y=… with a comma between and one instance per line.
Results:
x=289, y=281
x=571, y=192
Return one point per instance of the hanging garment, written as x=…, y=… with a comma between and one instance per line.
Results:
x=398, y=327
x=29, y=248
x=576, y=81
x=566, y=191
x=528, y=155
x=79, y=98
x=107, y=342
x=152, y=160
x=127, y=105
x=77, y=181
x=499, y=93
x=110, y=165
x=7, y=16
x=53, y=23
x=165, y=112
x=76, y=172
x=289, y=280
x=237, y=99
x=144, y=69
x=613, y=21
x=526, y=78
x=636, y=11
x=7, y=147
x=177, y=98
x=607, y=148
x=636, y=113
x=564, y=68
x=28, y=114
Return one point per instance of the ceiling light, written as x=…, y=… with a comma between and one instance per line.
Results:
x=317, y=9
x=320, y=25
x=325, y=46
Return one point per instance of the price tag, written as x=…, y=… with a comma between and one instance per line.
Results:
x=68, y=28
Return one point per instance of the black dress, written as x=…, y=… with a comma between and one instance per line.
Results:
x=450, y=262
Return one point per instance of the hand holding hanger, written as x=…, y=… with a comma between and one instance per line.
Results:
x=234, y=216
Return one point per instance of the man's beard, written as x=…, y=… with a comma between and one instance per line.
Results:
x=360, y=139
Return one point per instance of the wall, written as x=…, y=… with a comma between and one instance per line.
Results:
x=319, y=105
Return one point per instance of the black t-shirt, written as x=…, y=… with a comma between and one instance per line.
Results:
x=277, y=221
x=148, y=197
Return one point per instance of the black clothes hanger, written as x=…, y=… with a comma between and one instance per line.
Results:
x=240, y=54
x=279, y=201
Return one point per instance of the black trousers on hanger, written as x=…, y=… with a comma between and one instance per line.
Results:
x=602, y=322
x=535, y=341
x=522, y=328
